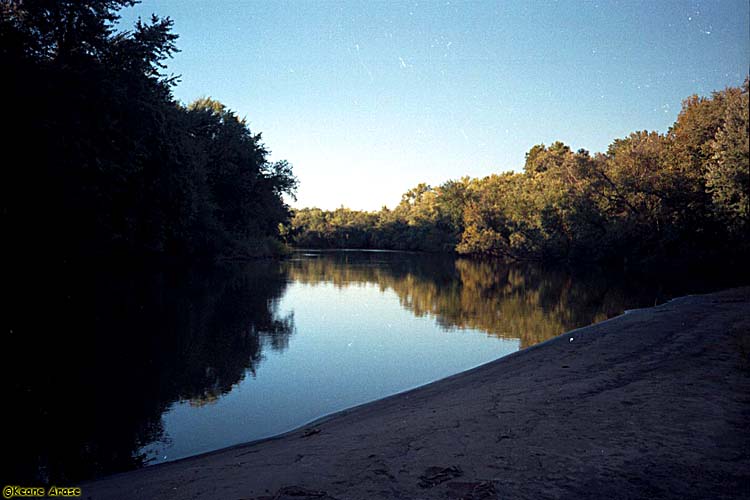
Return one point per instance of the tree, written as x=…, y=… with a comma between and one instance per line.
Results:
x=650, y=197
x=727, y=172
x=110, y=162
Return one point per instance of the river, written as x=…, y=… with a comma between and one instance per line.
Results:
x=111, y=369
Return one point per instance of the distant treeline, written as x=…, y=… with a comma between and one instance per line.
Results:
x=680, y=195
x=99, y=158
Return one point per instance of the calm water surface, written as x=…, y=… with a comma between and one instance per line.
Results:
x=137, y=367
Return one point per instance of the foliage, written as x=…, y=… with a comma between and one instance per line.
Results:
x=426, y=219
x=106, y=160
x=727, y=172
x=650, y=197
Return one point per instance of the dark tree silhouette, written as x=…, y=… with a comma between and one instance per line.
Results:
x=101, y=157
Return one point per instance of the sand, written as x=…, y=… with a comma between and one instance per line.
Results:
x=652, y=404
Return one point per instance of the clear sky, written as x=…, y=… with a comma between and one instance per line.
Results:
x=367, y=99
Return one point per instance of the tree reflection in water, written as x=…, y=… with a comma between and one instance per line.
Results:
x=95, y=356
x=522, y=302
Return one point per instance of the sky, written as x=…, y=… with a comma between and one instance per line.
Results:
x=368, y=99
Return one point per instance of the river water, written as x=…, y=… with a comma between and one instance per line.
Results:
x=113, y=369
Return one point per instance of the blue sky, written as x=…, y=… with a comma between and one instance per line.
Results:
x=367, y=99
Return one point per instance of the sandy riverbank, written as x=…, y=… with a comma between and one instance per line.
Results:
x=652, y=404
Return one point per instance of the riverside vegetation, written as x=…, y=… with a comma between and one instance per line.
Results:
x=651, y=197
x=102, y=160
x=109, y=162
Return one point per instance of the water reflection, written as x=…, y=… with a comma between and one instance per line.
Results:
x=96, y=358
x=508, y=301
x=99, y=354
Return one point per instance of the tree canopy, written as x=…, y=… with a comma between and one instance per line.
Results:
x=103, y=157
x=650, y=197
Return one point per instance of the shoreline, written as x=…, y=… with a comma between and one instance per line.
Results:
x=580, y=418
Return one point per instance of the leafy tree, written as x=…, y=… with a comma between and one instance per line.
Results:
x=727, y=172
x=649, y=198
x=244, y=190
x=106, y=161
